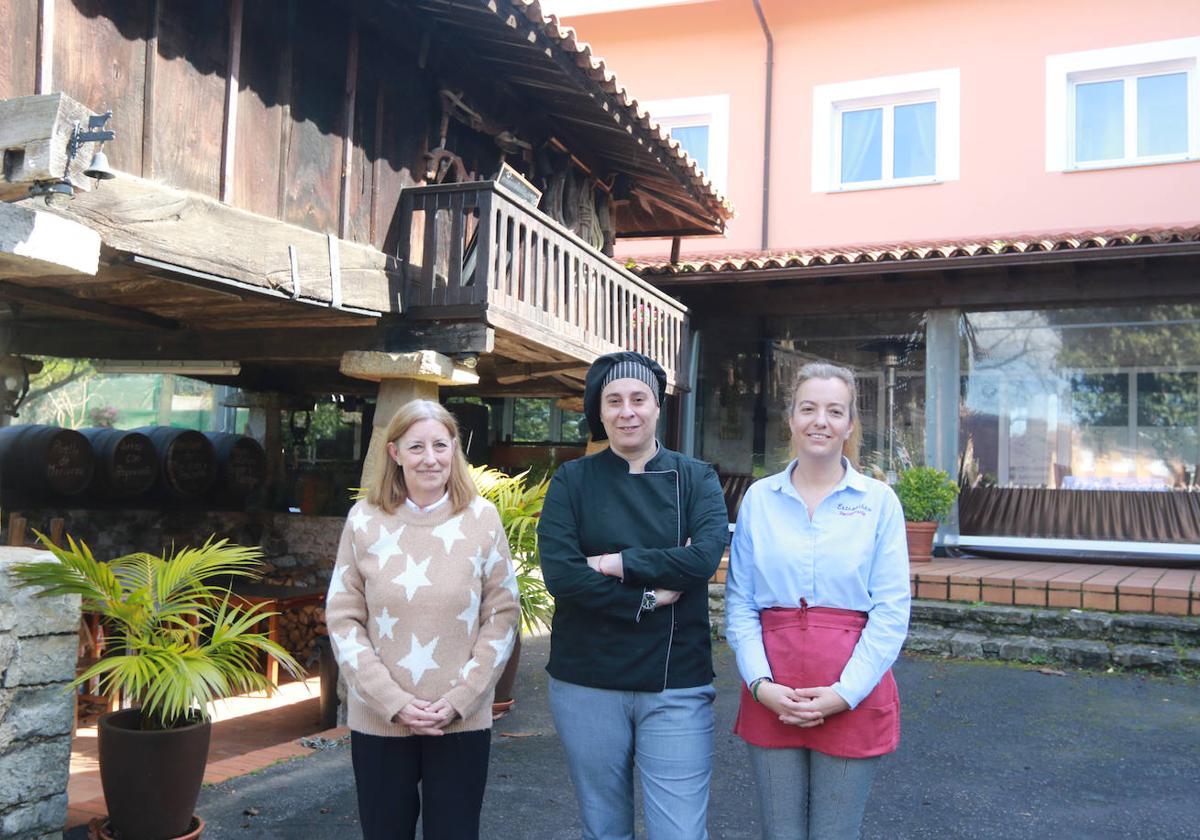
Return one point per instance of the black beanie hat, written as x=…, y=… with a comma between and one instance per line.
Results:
x=598, y=377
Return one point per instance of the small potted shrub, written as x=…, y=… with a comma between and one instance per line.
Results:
x=927, y=496
x=177, y=644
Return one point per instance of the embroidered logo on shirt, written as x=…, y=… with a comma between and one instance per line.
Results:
x=853, y=510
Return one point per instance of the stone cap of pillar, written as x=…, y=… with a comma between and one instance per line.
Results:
x=422, y=365
x=268, y=399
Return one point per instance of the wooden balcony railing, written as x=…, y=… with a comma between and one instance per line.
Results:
x=476, y=250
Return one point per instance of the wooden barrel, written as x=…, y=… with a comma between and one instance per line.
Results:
x=241, y=465
x=39, y=462
x=126, y=463
x=187, y=463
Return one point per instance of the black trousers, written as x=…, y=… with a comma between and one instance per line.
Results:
x=450, y=769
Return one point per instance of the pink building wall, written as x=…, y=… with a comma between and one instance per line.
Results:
x=1000, y=49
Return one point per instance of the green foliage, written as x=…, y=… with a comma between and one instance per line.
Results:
x=926, y=494
x=519, y=500
x=178, y=643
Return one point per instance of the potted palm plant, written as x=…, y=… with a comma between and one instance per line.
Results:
x=519, y=501
x=927, y=495
x=177, y=644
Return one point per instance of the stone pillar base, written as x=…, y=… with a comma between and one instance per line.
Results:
x=402, y=377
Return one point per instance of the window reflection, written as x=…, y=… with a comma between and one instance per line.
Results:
x=1085, y=399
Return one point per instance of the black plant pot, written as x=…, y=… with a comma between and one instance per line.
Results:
x=151, y=780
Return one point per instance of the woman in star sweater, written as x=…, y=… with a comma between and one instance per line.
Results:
x=422, y=611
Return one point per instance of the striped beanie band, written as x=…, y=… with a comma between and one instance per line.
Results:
x=632, y=370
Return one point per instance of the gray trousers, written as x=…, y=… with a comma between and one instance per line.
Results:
x=807, y=795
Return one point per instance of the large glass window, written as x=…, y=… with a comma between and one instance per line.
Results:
x=747, y=368
x=1084, y=399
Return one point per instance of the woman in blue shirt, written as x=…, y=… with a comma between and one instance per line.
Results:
x=817, y=608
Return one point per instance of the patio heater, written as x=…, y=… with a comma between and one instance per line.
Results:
x=892, y=351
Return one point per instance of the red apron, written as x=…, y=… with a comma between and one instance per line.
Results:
x=809, y=647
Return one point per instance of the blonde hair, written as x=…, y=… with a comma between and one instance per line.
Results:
x=825, y=370
x=388, y=491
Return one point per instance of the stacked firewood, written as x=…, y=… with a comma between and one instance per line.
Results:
x=298, y=631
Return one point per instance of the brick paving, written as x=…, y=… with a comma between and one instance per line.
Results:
x=1111, y=588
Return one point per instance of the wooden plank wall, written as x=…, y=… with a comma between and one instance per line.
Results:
x=18, y=58
x=313, y=161
x=188, y=95
x=329, y=118
x=264, y=85
x=100, y=60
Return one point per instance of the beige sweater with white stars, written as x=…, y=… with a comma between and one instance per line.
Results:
x=422, y=605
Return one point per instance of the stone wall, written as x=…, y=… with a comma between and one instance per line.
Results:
x=38, y=647
x=297, y=550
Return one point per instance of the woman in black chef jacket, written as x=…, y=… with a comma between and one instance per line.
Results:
x=629, y=538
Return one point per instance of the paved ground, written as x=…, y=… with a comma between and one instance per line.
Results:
x=987, y=751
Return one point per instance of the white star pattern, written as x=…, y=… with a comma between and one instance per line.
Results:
x=449, y=532
x=478, y=506
x=387, y=546
x=477, y=562
x=471, y=613
x=466, y=669
x=385, y=622
x=503, y=647
x=348, y=648
x=493, y=558
x=510, y=583
x=419, y=659
x=336, y=585
x=413, y=577
x=360, y=519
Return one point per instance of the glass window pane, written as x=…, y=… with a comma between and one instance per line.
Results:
x=1100, y=121
x=1162, y=114
x=915, y=141
x=531, y=420
x=574, y=427
x=862, y=145
x=694, y=139
x=1168, y=400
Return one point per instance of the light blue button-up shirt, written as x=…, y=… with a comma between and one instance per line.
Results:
x=852, y=554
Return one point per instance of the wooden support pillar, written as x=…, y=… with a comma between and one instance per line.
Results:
x=402, y=377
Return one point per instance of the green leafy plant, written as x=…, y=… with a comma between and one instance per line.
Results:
x=178, y=644
x=927, y=494
x=519, y=500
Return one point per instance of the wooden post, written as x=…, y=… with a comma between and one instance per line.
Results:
x=16, y=529
x=229, y=131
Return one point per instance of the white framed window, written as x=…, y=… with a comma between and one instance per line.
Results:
x=1123, y=106
x=893, y=131
x=701, y=125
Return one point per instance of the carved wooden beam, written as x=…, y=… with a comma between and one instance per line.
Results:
x=277, y=345
x=35, y=136
x=512, y=374
x=201, y=234
x=91, y=309
x=35, y=243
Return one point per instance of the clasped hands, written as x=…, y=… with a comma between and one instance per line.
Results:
x=612, y=566
x=801, y=707
x=425, y=717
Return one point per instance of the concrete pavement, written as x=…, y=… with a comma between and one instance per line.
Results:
x=987, y=751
